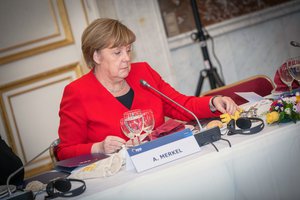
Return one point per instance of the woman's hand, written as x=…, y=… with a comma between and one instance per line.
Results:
x=110, y=144
x=225, y=104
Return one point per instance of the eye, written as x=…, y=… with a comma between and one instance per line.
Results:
x=117, y=52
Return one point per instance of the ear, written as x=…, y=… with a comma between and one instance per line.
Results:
x=97, y=57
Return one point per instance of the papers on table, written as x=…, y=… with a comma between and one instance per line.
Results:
x=250, y=96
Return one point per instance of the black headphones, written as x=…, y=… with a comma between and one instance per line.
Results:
x=62, y=188
x=245, y=123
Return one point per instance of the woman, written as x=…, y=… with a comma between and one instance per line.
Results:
x=92, y=106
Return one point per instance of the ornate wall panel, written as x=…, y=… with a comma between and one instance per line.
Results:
x=23, y=34
x=30, y=111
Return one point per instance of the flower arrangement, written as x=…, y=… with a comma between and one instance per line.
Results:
x=284, y=109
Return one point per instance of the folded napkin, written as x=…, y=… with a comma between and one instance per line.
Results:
x=168, y=127
x=281, y=86
x=102, y=168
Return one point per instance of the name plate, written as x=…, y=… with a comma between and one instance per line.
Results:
x=163, y=150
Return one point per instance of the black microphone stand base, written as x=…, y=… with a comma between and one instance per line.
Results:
x=209, y=136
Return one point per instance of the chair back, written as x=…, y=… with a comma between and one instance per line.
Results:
x=53, y=151
x=260, y=84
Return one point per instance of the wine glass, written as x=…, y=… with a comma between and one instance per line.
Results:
x=134, y=121
x=294, y=68
x=285, y=76
x=126, y=131
x=149, y=122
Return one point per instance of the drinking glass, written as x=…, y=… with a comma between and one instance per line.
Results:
x=149, y=122
x=134, y=121
x=285, y=76
x=294, y=68
x=126, y=131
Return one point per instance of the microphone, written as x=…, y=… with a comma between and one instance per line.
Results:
x=27, y=194
x=207, y=136
x=295, y=44
x=144, y=83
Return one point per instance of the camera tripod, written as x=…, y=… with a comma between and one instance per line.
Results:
x=209, y=72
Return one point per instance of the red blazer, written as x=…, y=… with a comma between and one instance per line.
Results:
x=88, y=112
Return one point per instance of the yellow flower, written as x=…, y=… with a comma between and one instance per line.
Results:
x=297, y=97
x=272, y=117
x=225, y=118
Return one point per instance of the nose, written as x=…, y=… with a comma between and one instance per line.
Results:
x=126, y=56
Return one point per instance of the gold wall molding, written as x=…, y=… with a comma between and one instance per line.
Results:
x=60, y=37
x=16, y=112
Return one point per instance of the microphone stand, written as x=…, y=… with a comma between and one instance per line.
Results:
x=204, y=137
x=209, y=72
x=144, y=83
x=18, y=170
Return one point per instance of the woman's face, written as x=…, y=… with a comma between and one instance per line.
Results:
x=114, y=62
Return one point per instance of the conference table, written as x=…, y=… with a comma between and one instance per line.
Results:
x=265, y=165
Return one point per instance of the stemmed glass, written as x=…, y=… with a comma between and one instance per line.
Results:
x=134, y=121
x=285, y=76
x=126, y=131
x=149, y=122
x=294, y=68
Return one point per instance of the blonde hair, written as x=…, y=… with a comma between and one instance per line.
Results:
x=104, y=33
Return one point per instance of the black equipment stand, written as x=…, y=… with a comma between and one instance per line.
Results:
x=209, y=72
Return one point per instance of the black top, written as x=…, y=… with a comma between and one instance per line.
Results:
x=10, y=162
x=127, y=98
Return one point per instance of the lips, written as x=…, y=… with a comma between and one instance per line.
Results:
x=124, y=68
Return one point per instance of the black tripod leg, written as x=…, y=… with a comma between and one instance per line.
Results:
x=200, y=83
x=218, y=80
x=211, y=79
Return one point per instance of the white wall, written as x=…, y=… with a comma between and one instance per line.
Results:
x=31, y=86
x=249, y=45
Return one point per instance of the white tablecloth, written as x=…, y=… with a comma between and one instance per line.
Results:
x=261, y=166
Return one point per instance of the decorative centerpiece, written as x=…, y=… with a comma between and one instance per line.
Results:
x=284, y=109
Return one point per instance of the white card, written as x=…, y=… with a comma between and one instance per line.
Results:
x=163, y=150
x=250, y=96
